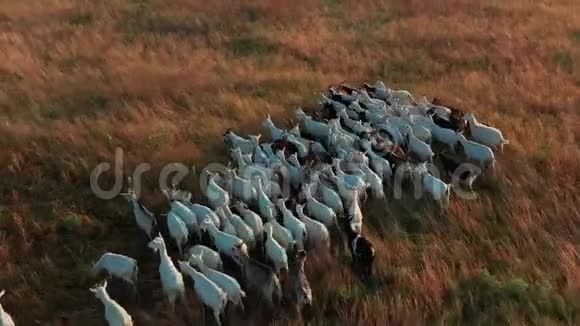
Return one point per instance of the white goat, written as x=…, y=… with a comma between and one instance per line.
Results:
x=187, y=216
x=117, y=265
x=233, y=141
x=296, y=174
x=265, y=205
x=171, y=279
x=374, y=180
x=177, y=230
x=354, y=181
x=241, y=188
x=436, y=188
x=203, y=212
x=421, y=149
x=253, y=220
x=241, y=159
x=318, y=210
x=347, y=192
x=5, y=318
x=274, y=251
x=380, y=165
x=482, y=154
x=227, y=225
x=443, y=135
x=379, y=90
x=216, y=195
x=210, y=293
x=227, y=283
x=227, y=244
x=258, y=155
x=144, y=218
x=114, y=313
x=317, y=232
x=209, y=257
x=293, y=224
x=486, y=135
x=355, y=216
x=319, y=130
x=243, y=231
x=371, y=103
x=328, y=196
x=275, y=132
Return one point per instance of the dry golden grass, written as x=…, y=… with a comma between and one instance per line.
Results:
x=163, y=79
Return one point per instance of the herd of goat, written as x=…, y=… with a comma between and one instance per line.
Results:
x=288, y=197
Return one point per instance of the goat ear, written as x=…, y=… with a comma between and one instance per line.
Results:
x=94, y=291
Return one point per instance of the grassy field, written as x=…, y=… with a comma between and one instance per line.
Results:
x=163, y=79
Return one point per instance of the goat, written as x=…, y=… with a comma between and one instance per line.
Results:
x=265, y=205
x=486, y=135
x=258, y=155
x=318, y=235
x=171, y=279
x=292, y=223
x=187, y=216
x=275, y=133
x=420, y=149
x=374, y=180
x=114, y=313
x=438, y=189
x=318, y=210
x=178, y=231
x=225, y=243
x=479, y=153
x=354, y=214
x=144, y=218
x=233, y=141
x=468, y=174
x=216, y=195
x=328, y=196
x=241, y=188
x=117, y=265
x=203, y=212
x=210, y=293
x=318, y=130
x=227, y=283
x=209, y=257
x=362, y=252
x=243, y=231
x=253, y=220
x=274, y=251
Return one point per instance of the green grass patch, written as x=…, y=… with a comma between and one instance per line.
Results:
x=251, y=46
x=79, y=102
x=333, y=6
x=370, y=24
x=142, y=21
x=72, y=222
x=80, y=19
x=564, y=61
x=576, y=35
x=485, y=300
x=159, y=139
